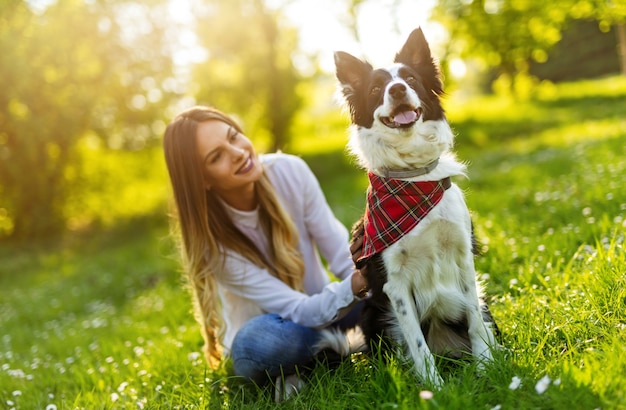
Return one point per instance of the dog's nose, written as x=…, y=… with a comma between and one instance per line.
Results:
x=397, y=90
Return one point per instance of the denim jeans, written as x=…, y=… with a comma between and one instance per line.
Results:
x=268, y=346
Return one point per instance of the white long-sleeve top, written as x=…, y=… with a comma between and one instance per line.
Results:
x=247, y=290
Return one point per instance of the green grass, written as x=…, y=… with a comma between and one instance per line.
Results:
x=99, y=320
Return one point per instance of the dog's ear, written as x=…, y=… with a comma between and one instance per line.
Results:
x=416, y=54
x=350, y=72
x=415, y=51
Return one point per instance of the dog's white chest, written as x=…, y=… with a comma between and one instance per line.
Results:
x=435, y=261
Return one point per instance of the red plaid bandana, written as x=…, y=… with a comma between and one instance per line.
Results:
x=394, y=207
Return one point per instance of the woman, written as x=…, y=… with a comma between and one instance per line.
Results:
x=251, y=227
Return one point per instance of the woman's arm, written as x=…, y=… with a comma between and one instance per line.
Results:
x=251, y=282
x=328, y=233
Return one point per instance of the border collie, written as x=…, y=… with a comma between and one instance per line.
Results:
x=418, y=246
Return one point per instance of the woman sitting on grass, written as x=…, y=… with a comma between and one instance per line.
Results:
x=251, y=226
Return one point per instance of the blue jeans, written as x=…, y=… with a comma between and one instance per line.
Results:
x=268, y=346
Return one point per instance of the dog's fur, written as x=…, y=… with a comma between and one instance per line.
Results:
x=424, y=298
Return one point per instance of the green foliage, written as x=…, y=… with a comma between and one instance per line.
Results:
x=504, y=34
x=509, y=35
x=585, y=51
x=115, y=185
x=249, y=70
x=84, y=79
x=70, y=70
x=102, y=321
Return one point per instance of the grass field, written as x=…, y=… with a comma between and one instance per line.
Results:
x=99, y=320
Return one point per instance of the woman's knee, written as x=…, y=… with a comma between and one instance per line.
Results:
x=268, y=344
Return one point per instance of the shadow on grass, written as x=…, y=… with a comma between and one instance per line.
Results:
x=89, y=244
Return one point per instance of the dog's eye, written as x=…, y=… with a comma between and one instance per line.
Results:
x=410, y=79
x=375, y=90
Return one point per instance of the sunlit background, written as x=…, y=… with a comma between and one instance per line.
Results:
x=101, y=79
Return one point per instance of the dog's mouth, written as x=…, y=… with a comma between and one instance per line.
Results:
x=402, y=117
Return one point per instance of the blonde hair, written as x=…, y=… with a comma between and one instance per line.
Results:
x=205, y=229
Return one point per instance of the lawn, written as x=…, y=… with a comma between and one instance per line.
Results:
x=100, y=320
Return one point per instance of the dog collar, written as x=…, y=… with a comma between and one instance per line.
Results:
x=407, y=173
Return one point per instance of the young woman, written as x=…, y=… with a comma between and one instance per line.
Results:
x=251, y=228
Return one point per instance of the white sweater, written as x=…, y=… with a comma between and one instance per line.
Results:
x=247, y=290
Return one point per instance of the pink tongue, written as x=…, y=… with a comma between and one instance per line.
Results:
x=406, y=117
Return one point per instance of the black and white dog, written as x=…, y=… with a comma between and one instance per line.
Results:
x=418, y=238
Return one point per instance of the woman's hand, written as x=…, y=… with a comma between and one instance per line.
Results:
x=356, y=245
x=359, y=283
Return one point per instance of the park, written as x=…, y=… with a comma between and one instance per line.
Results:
x=94, y=312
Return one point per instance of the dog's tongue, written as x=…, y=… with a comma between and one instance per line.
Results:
x=405, y=117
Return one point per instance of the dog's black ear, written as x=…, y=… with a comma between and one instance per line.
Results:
x=416, y=54
x=350, y=71
x=415, y=50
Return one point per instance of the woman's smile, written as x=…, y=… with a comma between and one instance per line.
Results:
x=246, y=167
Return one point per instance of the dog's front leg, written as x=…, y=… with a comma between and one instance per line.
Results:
x=408, y=317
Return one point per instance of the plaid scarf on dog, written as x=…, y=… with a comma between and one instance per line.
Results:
x=394, y=207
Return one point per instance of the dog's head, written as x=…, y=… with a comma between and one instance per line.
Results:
x=396, y=111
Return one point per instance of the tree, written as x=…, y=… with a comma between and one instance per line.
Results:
x=505, y=34
x=70, y=70
x=607, y=13
x=508, y=34
x=249, y=70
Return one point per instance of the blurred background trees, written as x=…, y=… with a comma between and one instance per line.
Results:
x=249, y=69
x=73, y=73
x=508, y=37
x=89, y=85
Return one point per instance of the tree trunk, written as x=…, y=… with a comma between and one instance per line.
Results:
x=621, y=45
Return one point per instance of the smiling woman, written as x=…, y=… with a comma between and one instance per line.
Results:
x=251, y=229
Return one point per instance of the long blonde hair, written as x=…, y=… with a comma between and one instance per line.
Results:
x=205, y=229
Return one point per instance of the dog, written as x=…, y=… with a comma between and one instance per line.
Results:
x=418, y=242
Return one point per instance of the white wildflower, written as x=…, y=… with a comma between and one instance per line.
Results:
x=17, y=373
x=122, y=386
x=426, y=395
x=515, y=383
x=543, y=384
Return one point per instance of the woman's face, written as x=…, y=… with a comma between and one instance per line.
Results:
x=228, y=159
